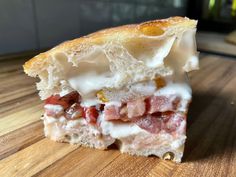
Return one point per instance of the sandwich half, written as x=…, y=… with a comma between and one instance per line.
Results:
x=125, y=85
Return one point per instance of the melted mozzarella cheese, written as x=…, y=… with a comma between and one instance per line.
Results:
x=181, y=89
x=119, y=130
x=144, y=88
x=55, y=108
x=89, y=82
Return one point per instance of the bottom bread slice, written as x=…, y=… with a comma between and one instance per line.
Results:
x=165, y=145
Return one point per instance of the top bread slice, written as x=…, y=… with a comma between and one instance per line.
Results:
x=135, y=52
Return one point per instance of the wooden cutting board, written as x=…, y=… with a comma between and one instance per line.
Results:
x=210, y=147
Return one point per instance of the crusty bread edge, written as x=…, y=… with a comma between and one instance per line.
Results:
x=103, y=36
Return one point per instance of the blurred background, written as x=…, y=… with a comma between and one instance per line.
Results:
x=36, y=25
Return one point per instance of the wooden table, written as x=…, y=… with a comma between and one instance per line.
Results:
x=210, y=147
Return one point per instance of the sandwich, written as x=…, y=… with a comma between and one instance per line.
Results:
x=125, y=85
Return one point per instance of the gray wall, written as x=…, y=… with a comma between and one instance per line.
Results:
x=27, y=25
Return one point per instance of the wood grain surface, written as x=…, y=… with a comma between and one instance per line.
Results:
x=210, y=146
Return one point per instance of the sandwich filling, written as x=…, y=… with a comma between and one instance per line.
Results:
x=117, y=95
x=160, y=108
x=125, y=85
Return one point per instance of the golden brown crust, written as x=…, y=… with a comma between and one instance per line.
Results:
x=150, y=28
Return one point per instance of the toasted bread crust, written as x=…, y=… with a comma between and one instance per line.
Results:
x=121, y=33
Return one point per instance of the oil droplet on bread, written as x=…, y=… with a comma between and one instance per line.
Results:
x=160, y=82
x=151, y=30
x=101, y=96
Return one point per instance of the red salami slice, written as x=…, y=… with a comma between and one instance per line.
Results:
x=112, y=112
x=136, y=108
x=91, y=114
x=169, y=122
x=149, y=123
x=174, y=121
x=74, y=112
x=65, y=101
x=163, y=103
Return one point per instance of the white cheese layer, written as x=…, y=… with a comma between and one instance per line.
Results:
x=181, y=89
x=89, y=82
x=54, y=108
x=119, y=130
